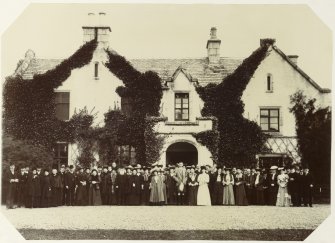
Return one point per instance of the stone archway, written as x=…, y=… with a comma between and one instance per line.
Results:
x=182, y=152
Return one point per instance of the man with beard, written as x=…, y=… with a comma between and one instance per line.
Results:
x=56, y=188
x=180, y=178
x=81, y=184
x=272, y=186
x=70, y=186
x=111, y=181
x=171, y=186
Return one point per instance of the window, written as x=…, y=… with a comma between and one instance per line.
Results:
x=127, y=154
x=61, y=153
x=181, y=107
x=269, y=84
x=96, y=70
x=270, y=120
x=126, y=105
x=62, y=101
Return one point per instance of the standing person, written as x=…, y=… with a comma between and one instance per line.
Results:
x=307, y=188
x=299, y=188
x=81, y=185
x=192, y=183
x=180, y=178
x=46, y=190
x=134, y=185
x=228, y=190
x=283, y=199
x=12, y=180
x=121, y=185
x=292, y=187
x=203, y=197
x=217, y=188
x=145, y=184
x=259, y=187
x=111, y=182
x=87, y=178
x=240, y=196
x=22, y=188
x=94, y=192
x=34, y=189
x=249, y=185
x=171, y=186
x=272, y=186
x=156, y=193
x=70, y=186
x=61, y=174
x=104, y=191
x=56, y=188
x=163, y=182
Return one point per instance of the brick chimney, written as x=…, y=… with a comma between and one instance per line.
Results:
x=213, y=47
x=293, y=58
x=96, y=28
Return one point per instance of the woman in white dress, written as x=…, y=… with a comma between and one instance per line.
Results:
x=283, y=198
x=203, y=197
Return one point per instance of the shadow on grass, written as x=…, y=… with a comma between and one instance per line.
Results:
x=264, y=235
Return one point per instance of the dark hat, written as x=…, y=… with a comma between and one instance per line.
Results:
x=193, y=166
x=94, y=170
x=105, y=167
x=160, y=166
x=46, y=170
x=71, y=167
x=203, y=167
x=34, y=168
x=99, y=166
x=172, y=167
x=227, y=169
x=188, y=167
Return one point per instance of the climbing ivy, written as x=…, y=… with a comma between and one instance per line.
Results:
x=240, y=139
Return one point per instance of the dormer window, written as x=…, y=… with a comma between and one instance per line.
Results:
x=181, y=107
x=96, y=70
x=269, y=83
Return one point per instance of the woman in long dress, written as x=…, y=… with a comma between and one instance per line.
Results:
x=203, y=197
x=94, y=191
x=192, y=184
x=156, y=187
x=228, y=190
x=240, y=196
x=283, y=198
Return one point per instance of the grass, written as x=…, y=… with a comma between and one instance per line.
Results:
x=264, y=234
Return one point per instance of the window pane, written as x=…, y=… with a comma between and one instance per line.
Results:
x=274, y=127
x=178, y=114
x=264, y=112
x=178, y=101
x=178, y=106
x=264, y=127
x=274, y=120
x=185, y=116
x=264, y=120
x=185, y=101
x=274, y=113
x=185, y=105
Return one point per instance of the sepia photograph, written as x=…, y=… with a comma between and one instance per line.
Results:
x=166, y=122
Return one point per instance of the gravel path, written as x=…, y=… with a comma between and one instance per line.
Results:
x=168, y=217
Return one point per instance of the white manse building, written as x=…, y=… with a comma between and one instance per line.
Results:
x=266, y=97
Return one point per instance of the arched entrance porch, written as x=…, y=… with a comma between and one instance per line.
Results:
x=182, y=152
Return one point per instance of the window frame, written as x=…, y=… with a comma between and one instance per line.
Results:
x=181, y=106
x=57, y=156
x=269, y=109
x=96, y=70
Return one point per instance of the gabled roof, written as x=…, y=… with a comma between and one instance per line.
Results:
x=299, y=70
x=195, y=67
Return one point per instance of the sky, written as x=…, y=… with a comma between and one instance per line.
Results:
x=173, y=31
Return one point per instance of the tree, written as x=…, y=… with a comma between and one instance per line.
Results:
x=313, y=127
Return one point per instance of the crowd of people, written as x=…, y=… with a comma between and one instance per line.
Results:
x=173, y=185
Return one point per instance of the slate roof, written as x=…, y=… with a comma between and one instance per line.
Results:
x=198, y=68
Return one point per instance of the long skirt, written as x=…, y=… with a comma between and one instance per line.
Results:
x=81, y=198
x=94, y=197
x=228, y=195
x=192, y=195
x=283, y=198
x=241, y=197
x=203, y=197
x=260, y=196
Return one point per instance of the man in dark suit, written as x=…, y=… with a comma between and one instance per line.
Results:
x=56, y=184
x=103, y=186
x=70, y=186
x=307, y=188
x=121, y=186
x=22, y=188
x=61, y=174
x=272, y=186
x=34, y=189
x=12, y=180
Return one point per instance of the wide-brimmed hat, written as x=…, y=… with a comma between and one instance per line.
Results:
x=274, y=167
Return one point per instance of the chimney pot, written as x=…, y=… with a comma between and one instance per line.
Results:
x=213, y=47
x=293, y=58
x=267, y=41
